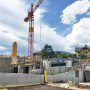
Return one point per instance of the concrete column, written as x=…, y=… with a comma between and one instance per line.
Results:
x=20, y=70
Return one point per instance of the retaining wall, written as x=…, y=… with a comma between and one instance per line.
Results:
x=16, y=79
x=19, y=78
x=67, y=76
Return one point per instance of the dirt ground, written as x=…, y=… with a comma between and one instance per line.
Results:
x=39, y=87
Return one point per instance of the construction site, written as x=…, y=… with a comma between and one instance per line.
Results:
x=32, y=72
x=15, y=64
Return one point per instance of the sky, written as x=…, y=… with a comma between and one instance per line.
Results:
x=64, y=24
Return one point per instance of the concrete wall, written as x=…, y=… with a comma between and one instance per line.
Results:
x=81, y=75
x=56, y=70
x=67, y=76
x=52, y=70
x=46, y=64
x=87, y=75
x=5, y=64
x=19, y=78
x=16, y=79
x=38, y=71
x=68, y=63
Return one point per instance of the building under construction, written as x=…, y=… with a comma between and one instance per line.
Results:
x=15, y=64
x=5, y=64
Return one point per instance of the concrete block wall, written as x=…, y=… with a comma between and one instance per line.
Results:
x=5, y=65
x=19, y=79
x=67, y=76
x=52, y=70
x=56, y=70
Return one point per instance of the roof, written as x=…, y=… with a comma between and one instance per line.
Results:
x=82, y=48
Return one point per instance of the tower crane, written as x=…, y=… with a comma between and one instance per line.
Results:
x=30, y=19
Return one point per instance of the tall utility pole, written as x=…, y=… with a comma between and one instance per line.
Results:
x=30, y=18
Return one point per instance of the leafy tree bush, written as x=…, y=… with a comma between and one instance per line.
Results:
x=47, y=52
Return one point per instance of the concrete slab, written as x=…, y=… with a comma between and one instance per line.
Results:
x=39, y=87
x=67, y=86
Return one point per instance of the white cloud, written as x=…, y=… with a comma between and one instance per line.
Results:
x=80, y=34
x=13, y=28
x=39, y=14
x=69, y=15
x=2, y=48
x=15, y=6
x=49, y=36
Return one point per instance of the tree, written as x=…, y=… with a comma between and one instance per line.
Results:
x=62, y=55
x=47, y=52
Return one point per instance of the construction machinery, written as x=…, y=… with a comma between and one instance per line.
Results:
x=30, y=19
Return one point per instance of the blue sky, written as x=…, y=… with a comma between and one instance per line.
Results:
x=65, y=25
x=52, y=17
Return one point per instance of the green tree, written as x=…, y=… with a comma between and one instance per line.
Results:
x=62, y=55
x=47, y=52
